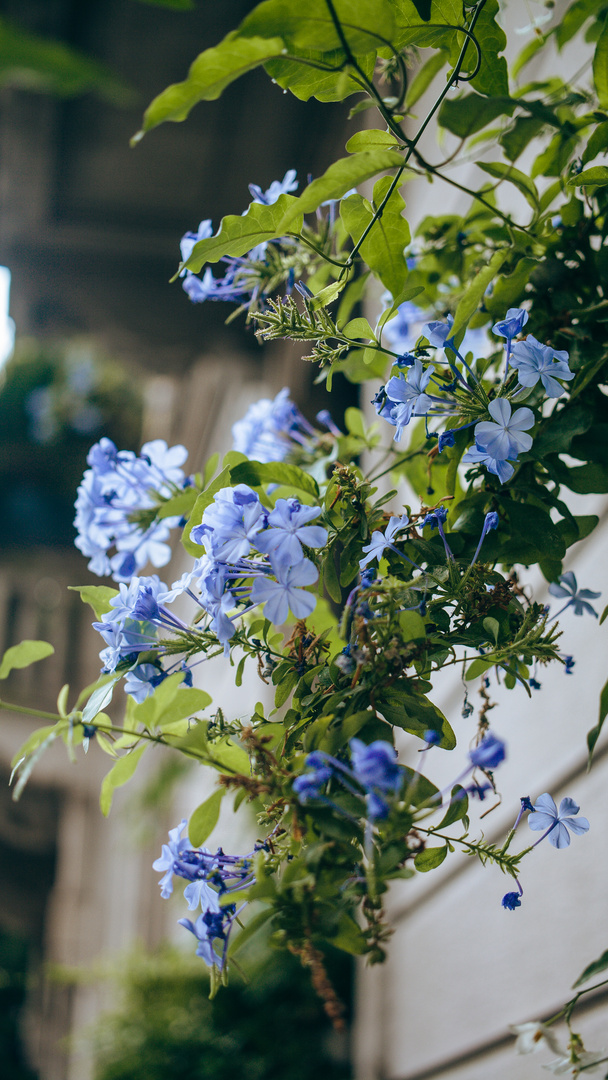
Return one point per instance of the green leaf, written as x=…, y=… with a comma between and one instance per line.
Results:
x=251, y=928
x=97, y=596
x=371, y=139
x=257, y=473
x=228, y=757
x=119, y=774
x=604, y=615
x=593, y=969
x=459, y=805
x=469, y=113
x=33, y=63
x=98, y=700
x=384, y=245
x=514, y=176
x=492, y=78
x=403, y=707
x=209, y=75
x=430, y=858
x=412, y=626
x=423, y=78
x=600, y=67
x=179, y=505
x=349, y=937
x=476, y=668
x=428, y=23
x=594, y=734
x=359, y=329
x=239, y=234
x=22, y=655
x=336, y=180
x=597, y=175
x=204, y=819
x=305, y=81
x=170, y=702
x=474, y=294
x=311, y=26
x=284, y=687
x=597, y=144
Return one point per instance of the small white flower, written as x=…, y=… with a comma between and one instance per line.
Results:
x=533, y=1036
x=564, y=1066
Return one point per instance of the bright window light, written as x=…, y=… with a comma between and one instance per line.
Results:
x=7, y=326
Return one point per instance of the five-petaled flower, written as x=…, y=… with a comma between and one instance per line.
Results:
x=533, y=1036
x=577, y=598
x=545, y=816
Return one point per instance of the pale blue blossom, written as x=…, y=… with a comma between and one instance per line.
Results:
x=535, y=361
x=577, y=598
x=380, y=541
x=288, y=529
x=505, y=436
x=287, y=593
x=407, y=397
x=557, y=825
x=276, y=189
x=500, y=467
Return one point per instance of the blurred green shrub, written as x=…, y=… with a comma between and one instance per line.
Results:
x=55, y=401
x=271, y=1028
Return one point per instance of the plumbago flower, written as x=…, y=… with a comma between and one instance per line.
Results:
x=117, y=505
x=577, y=599
x=557, y=824
x=276, y=430
x=254, y=556
x=212, y=878
x=535, y=361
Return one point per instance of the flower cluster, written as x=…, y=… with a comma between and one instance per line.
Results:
x=117, y=505
x=373, y=776
x=211, y=879
x=243, y=281
x=276, y=430
x=254, y=555
x=426, y=392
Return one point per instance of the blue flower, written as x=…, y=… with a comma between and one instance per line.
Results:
x=500, y=467
x=435, y=520
x=535, y=361
x=308, y=785
x=437, y=333
x=512, y=324
x=491, y=522
x=272, y=430
x=557, y=825
x=407, y=396
x=276, y=189
x=511, y=900
x=287, y=593
x=230, y=523
x=489, y=754
x=142, y=681
x=505, y=436
x=289, y=528
x=189, y=239
x=375, y=765
x=577, y=599
x=171, y=852
x=569, y=663
x=113, y=493
x=380, y=541
x=402, y=330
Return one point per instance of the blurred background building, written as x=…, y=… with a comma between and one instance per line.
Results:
x=89, y=231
